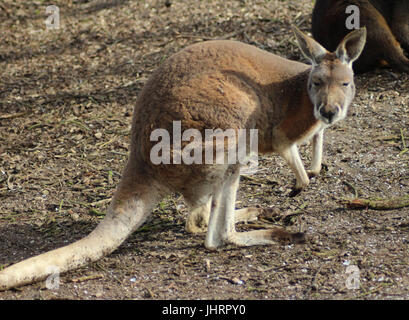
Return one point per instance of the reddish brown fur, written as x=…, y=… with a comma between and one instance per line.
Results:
x=214, y=85
x=387, y=23
x=228, y=98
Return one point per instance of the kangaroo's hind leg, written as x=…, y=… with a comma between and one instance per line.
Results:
x=222, y=229
x=247, y=214
x=199, y=212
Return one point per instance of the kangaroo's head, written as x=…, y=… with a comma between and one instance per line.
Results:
x=331, y=81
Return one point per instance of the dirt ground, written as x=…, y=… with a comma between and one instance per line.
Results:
x=66, y=100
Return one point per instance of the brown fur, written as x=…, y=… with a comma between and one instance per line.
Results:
x=210, y=85
x=228, y=98
x=387, y=23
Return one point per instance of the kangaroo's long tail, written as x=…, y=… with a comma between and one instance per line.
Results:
x=129, y=209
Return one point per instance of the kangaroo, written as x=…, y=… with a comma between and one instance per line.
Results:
x=387, y=22
x=216, y=84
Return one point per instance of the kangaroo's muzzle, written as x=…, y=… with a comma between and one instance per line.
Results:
x=329, y=113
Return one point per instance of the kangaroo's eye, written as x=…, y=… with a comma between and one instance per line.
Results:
x=317, y=83
x=345, y=84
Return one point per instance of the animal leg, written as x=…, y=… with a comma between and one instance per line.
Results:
x=292, y=156
x=222, y=228
x=317, y=146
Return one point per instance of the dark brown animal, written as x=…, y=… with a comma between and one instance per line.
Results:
x=387, y=24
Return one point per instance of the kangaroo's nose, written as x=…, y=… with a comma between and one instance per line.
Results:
x=329, y=112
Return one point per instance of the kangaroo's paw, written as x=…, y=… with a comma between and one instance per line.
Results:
x=313, y=173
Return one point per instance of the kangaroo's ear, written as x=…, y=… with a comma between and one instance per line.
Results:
x=310, y=48
x=351, y=46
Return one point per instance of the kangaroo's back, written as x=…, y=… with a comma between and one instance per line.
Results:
x=218, y=84
x=387, y=24
x=220, y=58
